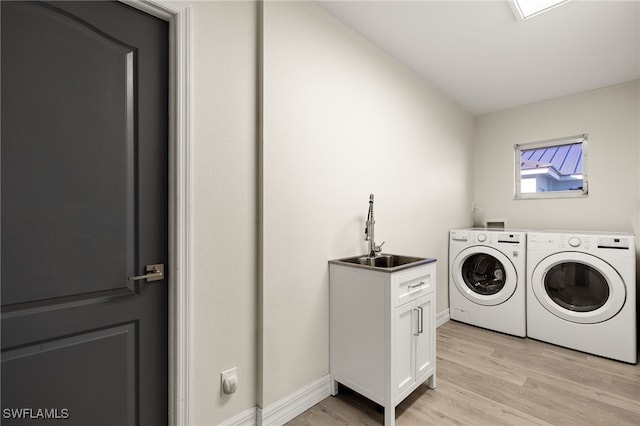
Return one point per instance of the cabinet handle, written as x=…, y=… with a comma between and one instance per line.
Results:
x=417, y=332
x=415, y=286
x=421, y=324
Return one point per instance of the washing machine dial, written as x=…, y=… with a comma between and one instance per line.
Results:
x=575, y=242
x=482, y=238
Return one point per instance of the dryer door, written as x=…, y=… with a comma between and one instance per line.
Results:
x=484, y=275
x=578, y=287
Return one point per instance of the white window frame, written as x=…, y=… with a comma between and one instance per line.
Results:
x=518, y=148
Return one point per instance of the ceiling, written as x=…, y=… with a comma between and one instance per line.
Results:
x=483, y=57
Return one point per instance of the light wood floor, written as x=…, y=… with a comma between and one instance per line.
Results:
x=489, y=378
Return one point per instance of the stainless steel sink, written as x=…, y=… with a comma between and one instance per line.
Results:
x=389, y=262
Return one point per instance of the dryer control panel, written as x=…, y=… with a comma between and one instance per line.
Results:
x=583, y=242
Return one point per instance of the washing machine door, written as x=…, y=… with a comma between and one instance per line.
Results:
x=484, y=275
x=578, y=287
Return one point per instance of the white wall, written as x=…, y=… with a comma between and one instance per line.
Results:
x=342, y=119
x=223, y=288
x=611, y=118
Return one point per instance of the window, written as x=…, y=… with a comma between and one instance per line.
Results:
x=552, y=169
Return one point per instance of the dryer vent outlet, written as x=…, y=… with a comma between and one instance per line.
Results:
x=495, y=224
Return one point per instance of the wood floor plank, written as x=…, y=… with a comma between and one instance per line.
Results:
x=489, y=378
x=621, y=391
x=582, y=409
x=517, y=397
x=457, y=353
x=452, y=404
x=354, y=409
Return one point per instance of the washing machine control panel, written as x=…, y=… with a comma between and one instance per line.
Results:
x=460, y=236
x=489, y=238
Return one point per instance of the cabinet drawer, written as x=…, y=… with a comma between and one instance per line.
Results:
x=412, y=287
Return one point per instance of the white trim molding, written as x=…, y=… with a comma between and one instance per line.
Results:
x=295, y=404
x=442, y=318
x=178, y=14
x=246, y=418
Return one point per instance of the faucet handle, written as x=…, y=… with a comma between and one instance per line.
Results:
x=378, y=249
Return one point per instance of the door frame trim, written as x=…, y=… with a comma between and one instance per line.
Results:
x=178, y=15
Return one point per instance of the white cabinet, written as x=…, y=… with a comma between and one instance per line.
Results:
x=382, y=331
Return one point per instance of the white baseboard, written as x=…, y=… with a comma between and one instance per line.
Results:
x=289, y=407
x=442, y=317
x=246, y=418
x=298, y=402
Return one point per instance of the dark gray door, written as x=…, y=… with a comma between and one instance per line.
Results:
x=84, y=207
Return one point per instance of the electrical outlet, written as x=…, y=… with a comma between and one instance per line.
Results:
x=229, y=381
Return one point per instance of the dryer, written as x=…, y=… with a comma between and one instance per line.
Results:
x=487, y=279
x=581, y=292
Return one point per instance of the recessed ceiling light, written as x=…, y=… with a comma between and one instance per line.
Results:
x=525, y=9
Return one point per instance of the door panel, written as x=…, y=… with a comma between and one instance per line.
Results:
x=68, y=206
x=424, y=343
x=404, y=348
x=84, y=206
x=59, y=367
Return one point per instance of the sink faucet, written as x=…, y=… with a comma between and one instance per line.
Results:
x=369, y=231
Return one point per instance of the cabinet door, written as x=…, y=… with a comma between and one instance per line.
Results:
x=404, y=347
x=425, y=342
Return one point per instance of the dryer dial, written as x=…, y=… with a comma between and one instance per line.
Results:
x=482, y=238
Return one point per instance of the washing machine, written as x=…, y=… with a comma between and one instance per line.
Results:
x=581, y=292
x=487, y=279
